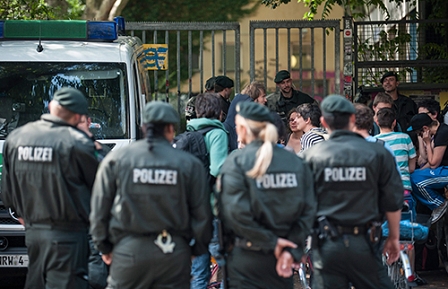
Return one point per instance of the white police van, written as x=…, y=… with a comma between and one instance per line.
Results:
x=39, y=57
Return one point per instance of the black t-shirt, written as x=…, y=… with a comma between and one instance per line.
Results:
x=441, y=139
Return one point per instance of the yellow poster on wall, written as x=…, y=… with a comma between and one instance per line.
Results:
x=155, y=56
x=443, y=99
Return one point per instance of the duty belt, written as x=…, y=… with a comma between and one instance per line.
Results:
x=245, y=244
x=351, y=230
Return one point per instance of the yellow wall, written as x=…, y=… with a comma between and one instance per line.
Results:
x=291, y=11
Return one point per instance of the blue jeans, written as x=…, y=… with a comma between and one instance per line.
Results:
x=200, y=267
x=200, y=272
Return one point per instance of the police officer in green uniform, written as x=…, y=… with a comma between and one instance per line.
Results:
x=147, y=207
x=357, y=182
x=287, y=98
x=266, y=202
x=48, y=172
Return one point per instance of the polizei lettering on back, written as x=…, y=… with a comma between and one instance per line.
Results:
x=349, y=174
x=158, y=176
x=35, y=154
x=277, y=181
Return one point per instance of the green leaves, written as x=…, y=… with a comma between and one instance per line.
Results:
x=25, y=9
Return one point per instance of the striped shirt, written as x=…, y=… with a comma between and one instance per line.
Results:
x=311, y=137
x=404, y=150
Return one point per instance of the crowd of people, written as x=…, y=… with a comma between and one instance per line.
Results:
x=282, y=167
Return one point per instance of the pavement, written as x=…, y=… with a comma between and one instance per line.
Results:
x=437, y=279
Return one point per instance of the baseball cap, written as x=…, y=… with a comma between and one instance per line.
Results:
x=336, y=103
x=420, y=120
x=160, y=112
x=282, y=75
x=389, y=73
x=254, y=111
x=72, y=99
x=224, y=81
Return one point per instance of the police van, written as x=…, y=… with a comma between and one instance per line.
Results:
x=39, y=57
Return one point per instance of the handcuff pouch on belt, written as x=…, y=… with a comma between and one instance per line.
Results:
x=164, y=242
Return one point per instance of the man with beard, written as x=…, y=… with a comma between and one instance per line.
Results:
x=287, y=97
x=405, y=106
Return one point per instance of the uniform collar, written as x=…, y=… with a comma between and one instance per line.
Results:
x=54, y=119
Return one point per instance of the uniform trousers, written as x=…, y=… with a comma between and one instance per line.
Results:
x=57, y=258
x=137, y=263
x=349, y=259
x=248, y=269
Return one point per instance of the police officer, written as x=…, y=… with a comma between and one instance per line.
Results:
x=266, y=202
x=224, y=87
x=146, y=208
x=49, y=170
x=287, y=98
x=356, y=183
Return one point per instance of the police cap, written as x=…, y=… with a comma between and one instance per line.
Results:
x=387, y=74
x=224, y=81
x=210, y=84
x=71, y=99
x=420, y=120
x=336, y=103
x=160, y=112
x=254, y=111
x=282, y=75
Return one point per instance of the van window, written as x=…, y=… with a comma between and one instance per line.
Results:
x=27, y=88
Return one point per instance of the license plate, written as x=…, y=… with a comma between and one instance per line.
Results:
x=13, y=261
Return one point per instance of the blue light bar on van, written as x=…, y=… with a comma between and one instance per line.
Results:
x=59, y=29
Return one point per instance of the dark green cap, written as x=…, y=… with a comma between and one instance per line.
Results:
x=282, y=75
x=160, y=112
x=224, y=81
x=254, y=111
x=389, y=73
x=336, y=103
x=72, y=99
x=210, y=84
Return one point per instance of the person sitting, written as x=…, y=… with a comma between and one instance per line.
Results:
x=308, y=121
x=433, y=176
x=432, y=108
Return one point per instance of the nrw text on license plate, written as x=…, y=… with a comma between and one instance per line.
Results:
x=13, y=261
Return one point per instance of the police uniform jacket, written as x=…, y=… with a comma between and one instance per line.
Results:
x=48, y=173
x=141, y=192
x=281, y=203
x=282, y=105
x=356, y=180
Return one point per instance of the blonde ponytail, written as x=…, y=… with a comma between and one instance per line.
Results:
x=267, y=132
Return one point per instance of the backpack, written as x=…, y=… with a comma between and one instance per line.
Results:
x=194, y=143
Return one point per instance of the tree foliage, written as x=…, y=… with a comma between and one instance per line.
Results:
x=355, y=8
x=25, y=9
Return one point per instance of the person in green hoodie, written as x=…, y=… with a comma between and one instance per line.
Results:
x=208, y=112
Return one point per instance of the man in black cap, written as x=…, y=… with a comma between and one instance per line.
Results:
x=224, y=86
x=48, y=172
x=287, y=98
x=353, y=192
x=147, y=208
x=405, y=106
x=429, y=181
